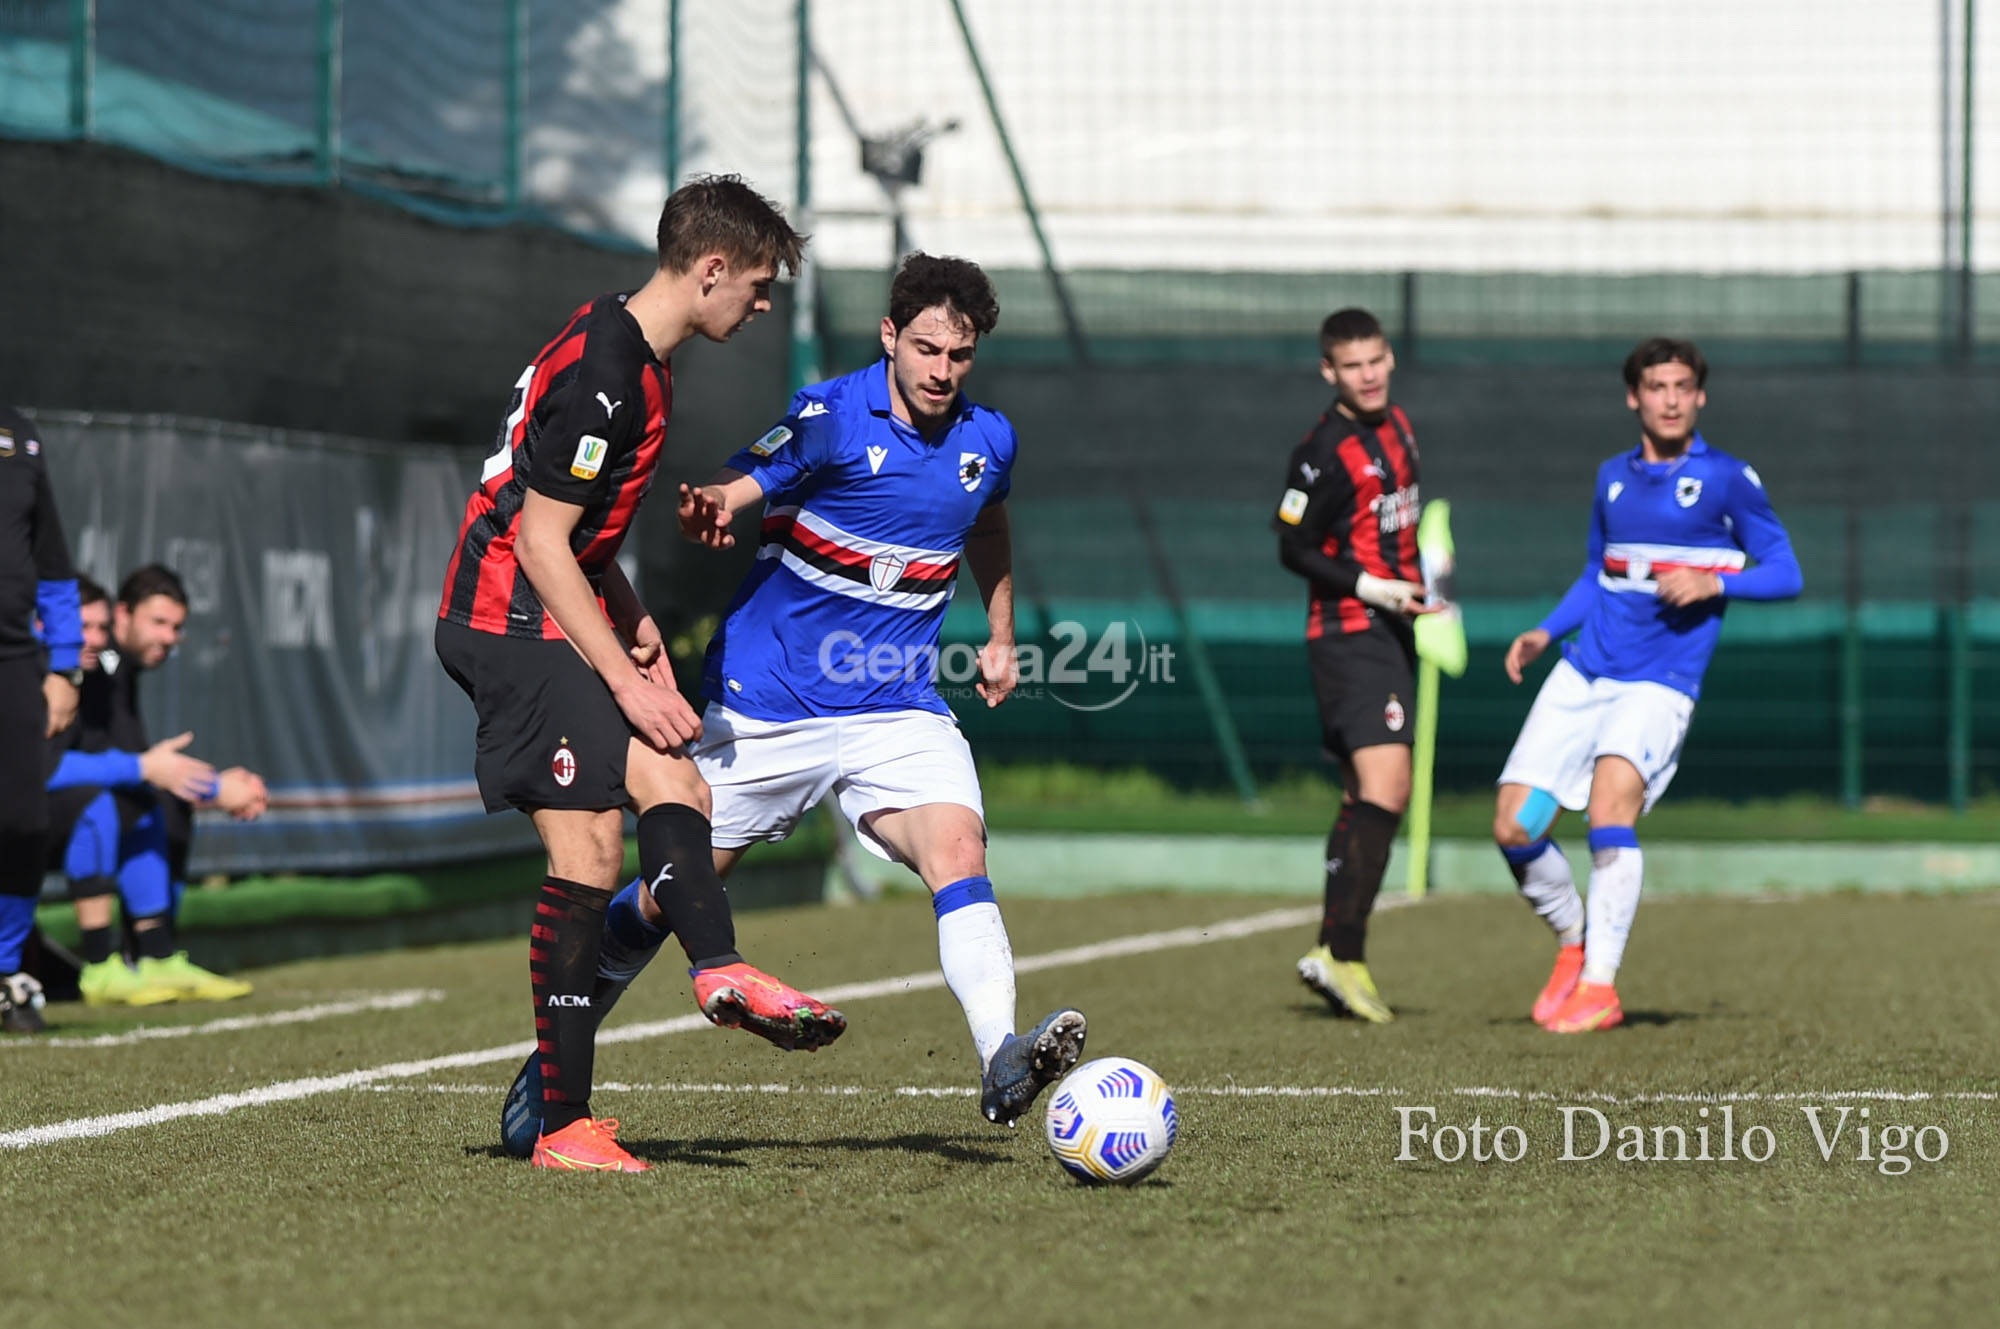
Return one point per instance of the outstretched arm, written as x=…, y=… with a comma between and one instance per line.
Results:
x=989, y=552
x=706, y=511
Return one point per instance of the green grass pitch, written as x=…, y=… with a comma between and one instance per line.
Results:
x=859, y=1186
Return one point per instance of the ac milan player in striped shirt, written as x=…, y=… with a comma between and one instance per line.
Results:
x=579, y=716
x=1348, y=524
x=1677, y=530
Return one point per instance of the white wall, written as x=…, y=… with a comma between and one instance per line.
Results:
x=1332, y=134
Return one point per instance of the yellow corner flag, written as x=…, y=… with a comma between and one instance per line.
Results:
x=1440, y=646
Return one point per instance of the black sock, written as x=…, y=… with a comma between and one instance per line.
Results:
x=1370, y=832
x=97, y=945
x=1337, y=882
x=156, y=942
x=562, y=969
x=678, y=867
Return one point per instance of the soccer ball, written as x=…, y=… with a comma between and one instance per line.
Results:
x=1112, y=1120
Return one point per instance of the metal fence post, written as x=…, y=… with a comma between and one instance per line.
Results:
x=326, y=140
x=805, y=293
x=82, y=66
x=672, y=127
x=1851, y=692
x=517, y=98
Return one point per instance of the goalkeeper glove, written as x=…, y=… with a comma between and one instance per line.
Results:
x=1385, y=593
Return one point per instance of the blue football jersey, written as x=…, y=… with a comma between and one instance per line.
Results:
x=864, y=523
x=1704, y=510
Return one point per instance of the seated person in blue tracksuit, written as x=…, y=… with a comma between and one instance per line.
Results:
x=113, y=798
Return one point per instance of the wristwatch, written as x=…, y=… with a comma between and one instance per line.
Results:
x=75, y=676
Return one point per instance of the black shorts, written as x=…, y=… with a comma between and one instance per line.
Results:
x=550, y=735
x=1365, y=683
x=24, y=774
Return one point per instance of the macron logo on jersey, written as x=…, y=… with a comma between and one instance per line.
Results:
x=812, y=409
x=876, y=456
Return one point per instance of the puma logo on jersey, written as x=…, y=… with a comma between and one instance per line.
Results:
x=876, y=456
x=1374, y=468
x=610, y=406
x=1311, y=473
x=813, y=408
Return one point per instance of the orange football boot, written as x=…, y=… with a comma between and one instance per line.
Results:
x=1562, y=982
x=1592, y=1006
x=588, y=1144
x=738, y=996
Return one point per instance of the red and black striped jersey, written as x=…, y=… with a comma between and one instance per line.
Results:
x=1351, y=497
x=585, y=426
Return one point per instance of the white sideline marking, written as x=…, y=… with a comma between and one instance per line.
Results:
x=387, y=1001
x=286, y=1091
x=1234, y=1091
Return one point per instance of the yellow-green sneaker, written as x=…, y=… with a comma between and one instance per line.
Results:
x=189, y=981
x=114, y=983
x=1346, y=984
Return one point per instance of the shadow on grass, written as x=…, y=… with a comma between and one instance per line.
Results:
x=720, y=1153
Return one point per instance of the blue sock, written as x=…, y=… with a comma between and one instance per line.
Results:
x=93, y=846
x=630, y=942
x=17, y=918
x=143, y=880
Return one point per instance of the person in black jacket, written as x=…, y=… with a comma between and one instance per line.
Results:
x=39, y=677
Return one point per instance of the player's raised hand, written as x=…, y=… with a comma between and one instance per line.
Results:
x=240, y=792
x=1527, y=648
x=657, y=712
x=1686, y=586
x=999, y=671
x=167, y=767
x=703, y=518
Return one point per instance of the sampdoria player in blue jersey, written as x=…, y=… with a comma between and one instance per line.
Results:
x=1677, y=531
x=821, y=679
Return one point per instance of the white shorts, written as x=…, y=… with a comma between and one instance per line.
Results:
x=765, y=775
x=1575, y=720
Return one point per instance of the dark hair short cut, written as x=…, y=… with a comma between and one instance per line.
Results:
x=1665, y=351
x=719, y=214
x=926, y=281
x=149, y=581
x=89, y=592
x=1344, y=325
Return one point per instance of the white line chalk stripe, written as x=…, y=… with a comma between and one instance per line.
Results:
x=387, y=1001
x=287, y=1091
x=1243, y=1091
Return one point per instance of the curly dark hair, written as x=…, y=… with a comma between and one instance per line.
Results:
x=1665, y=351
x=926, y=281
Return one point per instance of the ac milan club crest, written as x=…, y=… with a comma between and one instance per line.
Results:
x=563, y=767
x=1393, y=715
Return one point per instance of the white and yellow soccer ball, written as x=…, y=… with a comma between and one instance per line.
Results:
x=1112, y=1119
